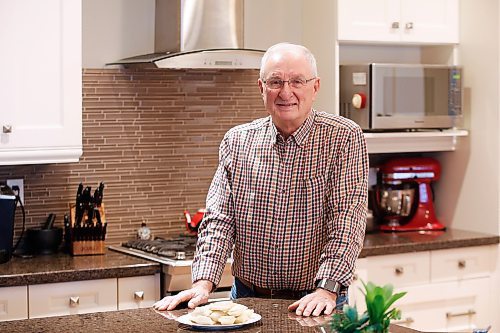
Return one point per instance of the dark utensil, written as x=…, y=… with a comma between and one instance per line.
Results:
x=50, y=221
x=100, y=193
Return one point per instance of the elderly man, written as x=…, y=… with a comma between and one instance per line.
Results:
x=289, y=198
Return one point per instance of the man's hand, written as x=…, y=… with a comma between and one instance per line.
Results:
x=316, y=303
x=197, y=295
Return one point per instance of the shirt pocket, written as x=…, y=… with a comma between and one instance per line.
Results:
x=312, y=197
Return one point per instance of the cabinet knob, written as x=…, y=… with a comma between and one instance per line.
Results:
x=355, y=277
x=74, y=301
x=406, y=321
x=7, y=129
x=409, y=25
x=395, y=25
x=399, y=270
x=462, y=264
x=139, y=295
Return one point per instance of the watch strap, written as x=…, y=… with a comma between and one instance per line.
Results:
x=329, y=285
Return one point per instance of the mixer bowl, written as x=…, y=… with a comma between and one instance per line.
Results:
x=396, y=202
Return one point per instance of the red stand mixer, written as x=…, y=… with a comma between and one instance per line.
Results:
x=404, y=197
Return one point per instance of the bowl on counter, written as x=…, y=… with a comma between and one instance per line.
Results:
x=44, y=241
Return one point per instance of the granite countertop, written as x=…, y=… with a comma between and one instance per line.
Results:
x=383, y=243
x=63, y=267
x=275, y=318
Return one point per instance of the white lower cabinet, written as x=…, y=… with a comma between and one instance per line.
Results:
x=13, y=303
x=65, y=298
x=447, y=290
x=138, y=291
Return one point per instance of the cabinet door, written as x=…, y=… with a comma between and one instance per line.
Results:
x=13, y=303
x=429, y=21
x=445, y=307
x=402, y=21
x=65, y=298
x=138, y=291
x=41, y=81
x=368, y=20
x=356, y=296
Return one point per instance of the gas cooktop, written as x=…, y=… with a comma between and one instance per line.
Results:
x=172, y=251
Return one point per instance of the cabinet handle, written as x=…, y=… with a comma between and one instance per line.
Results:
x=139, y=295
x=409, y=25
x=7, y=128
x=460, y=314
x=407, y=320
x=462, y=264
x=74, y=301
x=395, y=25
x=399, y=270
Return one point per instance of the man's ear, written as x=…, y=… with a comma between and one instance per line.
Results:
x=261, y=86
x=316, y=87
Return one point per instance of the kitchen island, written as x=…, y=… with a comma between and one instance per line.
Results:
x=275, y=318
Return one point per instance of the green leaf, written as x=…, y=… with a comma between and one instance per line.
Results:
x=351, y=313
x=376, y=318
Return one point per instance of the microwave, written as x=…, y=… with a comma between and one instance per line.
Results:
x=401, y=96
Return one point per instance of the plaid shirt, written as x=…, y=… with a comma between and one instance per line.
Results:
x=293, y=211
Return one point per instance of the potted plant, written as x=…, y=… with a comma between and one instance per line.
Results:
x=378, y=314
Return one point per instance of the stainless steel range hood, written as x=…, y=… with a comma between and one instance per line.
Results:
x=198, y=34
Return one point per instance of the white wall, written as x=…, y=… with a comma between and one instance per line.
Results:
x=468, y=193
x=116, y=29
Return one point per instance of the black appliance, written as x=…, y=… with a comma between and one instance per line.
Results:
x=7, y=210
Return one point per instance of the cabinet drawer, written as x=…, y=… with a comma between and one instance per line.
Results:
x=59, y=299
x=13, y=303
x=399, y=269
x=138, y=291
x=462, y=263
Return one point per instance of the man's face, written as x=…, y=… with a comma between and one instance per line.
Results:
x=288, y=106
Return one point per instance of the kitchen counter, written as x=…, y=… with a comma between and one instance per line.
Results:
x=275, y=318
x=383, y=243
x=63, y=267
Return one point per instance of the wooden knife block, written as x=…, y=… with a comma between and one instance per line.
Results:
x=85, y=247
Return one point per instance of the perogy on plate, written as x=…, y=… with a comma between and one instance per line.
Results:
x=221, y=313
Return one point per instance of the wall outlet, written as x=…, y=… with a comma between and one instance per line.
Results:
x=19, y=183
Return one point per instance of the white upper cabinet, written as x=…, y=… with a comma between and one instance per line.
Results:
x=41, y=81
x=398, y=21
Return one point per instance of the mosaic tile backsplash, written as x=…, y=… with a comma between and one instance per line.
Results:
x=152, y=136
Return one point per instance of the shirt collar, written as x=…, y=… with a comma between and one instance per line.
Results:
x=300, y=135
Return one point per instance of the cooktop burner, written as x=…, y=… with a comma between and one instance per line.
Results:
x=181, y=248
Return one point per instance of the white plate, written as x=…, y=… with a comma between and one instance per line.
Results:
x=185, y=320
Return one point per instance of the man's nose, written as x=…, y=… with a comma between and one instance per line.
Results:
x=285, y=90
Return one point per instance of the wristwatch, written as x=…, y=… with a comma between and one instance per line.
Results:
x=329, y=285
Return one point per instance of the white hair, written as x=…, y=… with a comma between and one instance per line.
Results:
x=288, y=46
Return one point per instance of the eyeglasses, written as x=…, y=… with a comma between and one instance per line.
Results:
x=294, y=82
